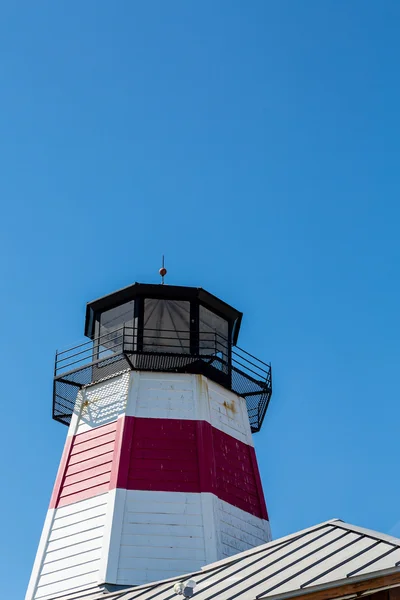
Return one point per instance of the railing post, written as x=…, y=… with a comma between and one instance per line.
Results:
x=54, y=385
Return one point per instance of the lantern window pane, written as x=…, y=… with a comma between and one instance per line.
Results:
x=111, y=327
x=166, y=326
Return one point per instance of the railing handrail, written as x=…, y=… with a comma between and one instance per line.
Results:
x=126, y=348
x=90, y=341
x=251, y=355
x=90, y=349
x=250, y=362
x=126, y=328
x=178, y=331
x=122, y=340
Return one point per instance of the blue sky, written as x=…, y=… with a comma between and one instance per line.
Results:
x=256, y=144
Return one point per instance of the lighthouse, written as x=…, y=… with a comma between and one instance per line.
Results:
x=158, y=475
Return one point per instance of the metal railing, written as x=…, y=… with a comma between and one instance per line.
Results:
x=127, y=348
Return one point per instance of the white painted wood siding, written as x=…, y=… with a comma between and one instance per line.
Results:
x=228, y=412
x=72, y=551
x=165, y=534
x=162, y=395
x=162, y=536
x=99, y=404
x=184, y=396
x=238, y=530
x=133, y=537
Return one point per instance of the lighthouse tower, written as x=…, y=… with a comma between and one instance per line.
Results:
x=158, y=476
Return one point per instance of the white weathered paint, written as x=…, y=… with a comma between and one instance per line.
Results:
x=238, y=529
x=44, y=538
x=161, y=396
x=70, y=549
x=228, y=412
x=164, y=534
x=185, y=396
x=108, y=567
x=133, y=537
x=99, y=404
x=211, y=532
x=286, y=564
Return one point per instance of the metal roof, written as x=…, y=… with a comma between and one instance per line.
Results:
x=320, y=557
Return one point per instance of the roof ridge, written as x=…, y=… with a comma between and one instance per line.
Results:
x=372, y=533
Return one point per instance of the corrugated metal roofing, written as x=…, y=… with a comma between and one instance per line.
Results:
x=302, y=562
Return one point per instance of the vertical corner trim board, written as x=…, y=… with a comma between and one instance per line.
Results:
x=171, y=455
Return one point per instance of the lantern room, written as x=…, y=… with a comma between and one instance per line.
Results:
x=148, y=327
x=164, y=319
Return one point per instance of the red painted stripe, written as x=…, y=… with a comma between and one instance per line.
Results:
x=207, y=472
x=176, y=455
x=91, y=452
x=101, y=459
x=171, y=455
x=83, y=495
x=235, y=480
x=88, y=474
x=89, y=484
x=257, y=478
x=86, y=466
x=119, y=475
x=97, y=432
x=163, y=474
x=90, y=445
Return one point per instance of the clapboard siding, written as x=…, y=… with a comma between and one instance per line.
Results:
x=146, y=529
x=238, y=530
x=75, y=509
x=229, y=412
x=64, y=552
x=165, y=534
x=153, y=551
x=162, y=396
x=180, y=455
x=66, y=585
x=162, y=535
x=192, y=397
x=147, y=575
x=101, y=459
x=158, y=477
x=185, y=396
x=74, y=547
x=70, y=520
x=101, y=403
x=88, y=466
x=107, y=447
x=158, y=535
x=235, y=478
x=93, y=533
x=164, y=455
x=84, y=557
